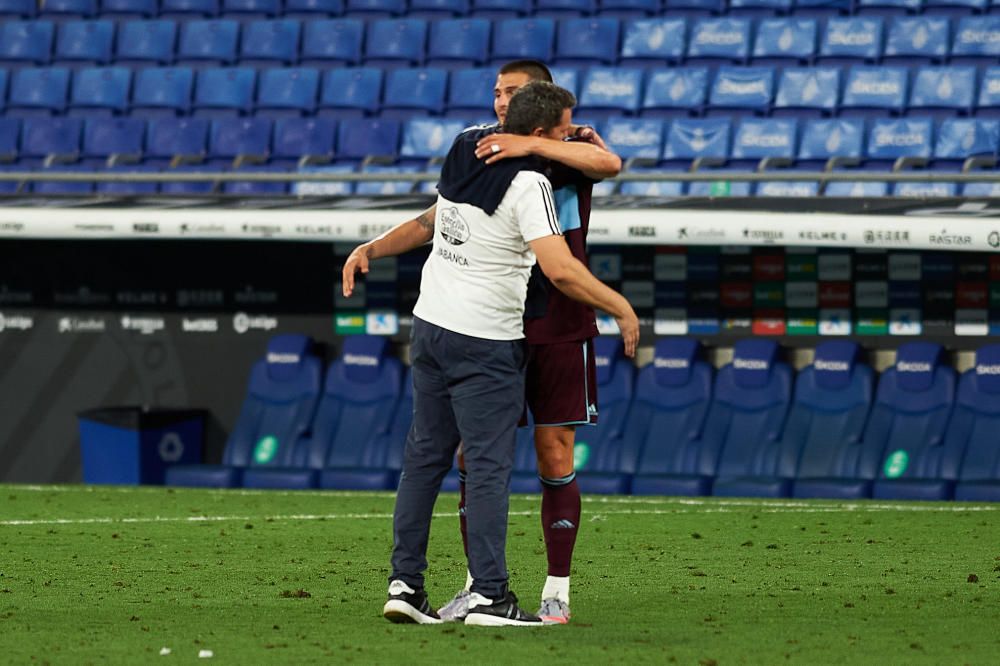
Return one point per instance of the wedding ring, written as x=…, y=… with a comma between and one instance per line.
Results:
x=495, y=148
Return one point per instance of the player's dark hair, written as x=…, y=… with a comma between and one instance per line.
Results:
x=536, y=71
x=537, y=104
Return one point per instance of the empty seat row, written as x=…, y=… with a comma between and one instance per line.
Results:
x=489, y=8
x=477, y=42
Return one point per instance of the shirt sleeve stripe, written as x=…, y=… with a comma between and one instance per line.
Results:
x=550, y=208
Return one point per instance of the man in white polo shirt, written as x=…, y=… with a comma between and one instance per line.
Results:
x=467, y=350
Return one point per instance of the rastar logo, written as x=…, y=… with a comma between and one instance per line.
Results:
x=671, y=363
x=903, y=366
x=832, y=366
x=279, y=358
x=361, y=359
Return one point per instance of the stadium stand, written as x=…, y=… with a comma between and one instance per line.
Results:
x=973, y=429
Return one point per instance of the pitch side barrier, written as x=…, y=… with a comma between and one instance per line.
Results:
x=950, y=224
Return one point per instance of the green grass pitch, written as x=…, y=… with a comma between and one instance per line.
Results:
x=109, y=575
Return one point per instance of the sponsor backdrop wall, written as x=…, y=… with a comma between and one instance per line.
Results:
x=95, y=323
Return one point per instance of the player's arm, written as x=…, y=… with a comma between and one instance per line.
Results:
x=591, y=157
x=572, y=278
x=400, y=239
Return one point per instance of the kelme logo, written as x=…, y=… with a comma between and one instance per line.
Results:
x=895, y=464
x=265, y=450
x=581, y=454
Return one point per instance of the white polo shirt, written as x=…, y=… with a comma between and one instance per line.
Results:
x=476, y=278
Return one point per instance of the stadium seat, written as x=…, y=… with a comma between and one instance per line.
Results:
x=665, y=423
x=68, y=8
x=899, y=144
x=50, y=140
x=977, y=40
x=244, y=9
x=84, y=42
x=807, y=92
x=172, y=141
x=270, y=42
x=351, y=92
x=427, y=139
x=332, y=42
x=587, y=41
x=288, y=91
x=386, y=187
x=100, y=91
x=224, y=91
x=235, y=141
x=610, y=91
x=851, y=41
x=459, y=43
x=313, y=9
x=821, y=8
x=163, y=91
x=973, y=429
x=887, y=7
x=965, y=144
x=438, y=9
x=358, y=138
x=675, y=92
x=988, y=99
x=784, y=41
x=602, y=462
x=192, y=187
x=409, y=91
x=188, y=9
x=502, y=9
x=208, y=42
x=826, y=142
x=924, y=189
x=857, y=188
x=18, y=9
x=395, y=42
x=955, y=7
x=744, y=89
x=628, y=9
x=904, y=441
x=128, y=187
x=112, y=141
x=517, y=39
x=375, y=9
x=652, y=41
x=694, y=8
x=282, y=393
x=760, y=144
x=943, y=92
x=38, y=91
x=719, y=41
x=634, y=138
x=567, y=77
x=64, y=187
x=562, y=9
x=917, y=39
x=470, y=93
x=743, y=429
x=693, y=142
x=759, y=8
x=129, y=9
x=871, y=92
x=146, y=42
x=26, y=42
x=299, y=142
x=830, y=408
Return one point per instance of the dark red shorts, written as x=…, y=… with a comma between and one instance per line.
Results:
x=561, y=383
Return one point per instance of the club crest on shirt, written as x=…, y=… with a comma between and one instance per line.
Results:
x=453, y=226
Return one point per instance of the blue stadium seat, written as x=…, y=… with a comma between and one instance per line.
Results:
x=502, y=9
x=833, y=397
x=50, y=139
x=459, y=43
x=516, y=39
x=955, y=7
x=759, y=8
x=470, y=93
x=943, y=92
x=786, y=189
x=602, y=462
x=634, y=138
x=244, y=9
x=694, y=8
x=395, y=42
x=784, y=41
x=163, y=91
x=904, y=440
x=358, y=138
x=188, y=9
x=822, y=8
x=562, y=9
x=100, y=91
x=874, y=91
x=718, y=41
x=965, y=143
x=826, y=140
x=652, y=41
x=128, y=187
x=399, y=428
x=891, y=143
x=282, y=394
x=628, y=9
x=224, y=91
x=10, y=136
x=270, y=42
x=807, y=92
x=38, y=91
x=744, y=426
x=760, y=141
x=743, y=89
x=110, y=141
x=18, y=9
x=851, y=41
x=977, y=40
x=313, y=9
x=351, y=92
x=438, y=9
x=428, y=138
x=924, y=189
x=375, y=8
x=235, y=141
x=386, y=187
x=973, y=428
x=26, y=42
x=208, y=42
x=332, y=42
x=858, y=188
x=610, y=91
x=917, y=39
x=62, y=188
x=172, y=141
x=129, y=9
x=84, y=42
x=146, y=42
x=665, y=424
x=567, y=77
x=887, y=7
x=988, y=100
x=409, y=91
x=288, y=91
x=244, y=188
x=675, y=92
x=587, y=41
x=690, y=140
x=68, y=8
x=299, y=142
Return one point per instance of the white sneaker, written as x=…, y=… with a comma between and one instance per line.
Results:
x=456, y=609
x=554, y=611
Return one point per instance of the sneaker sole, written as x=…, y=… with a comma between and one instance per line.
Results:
x=484, y=620
x=401, y=612
x=554, y=619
